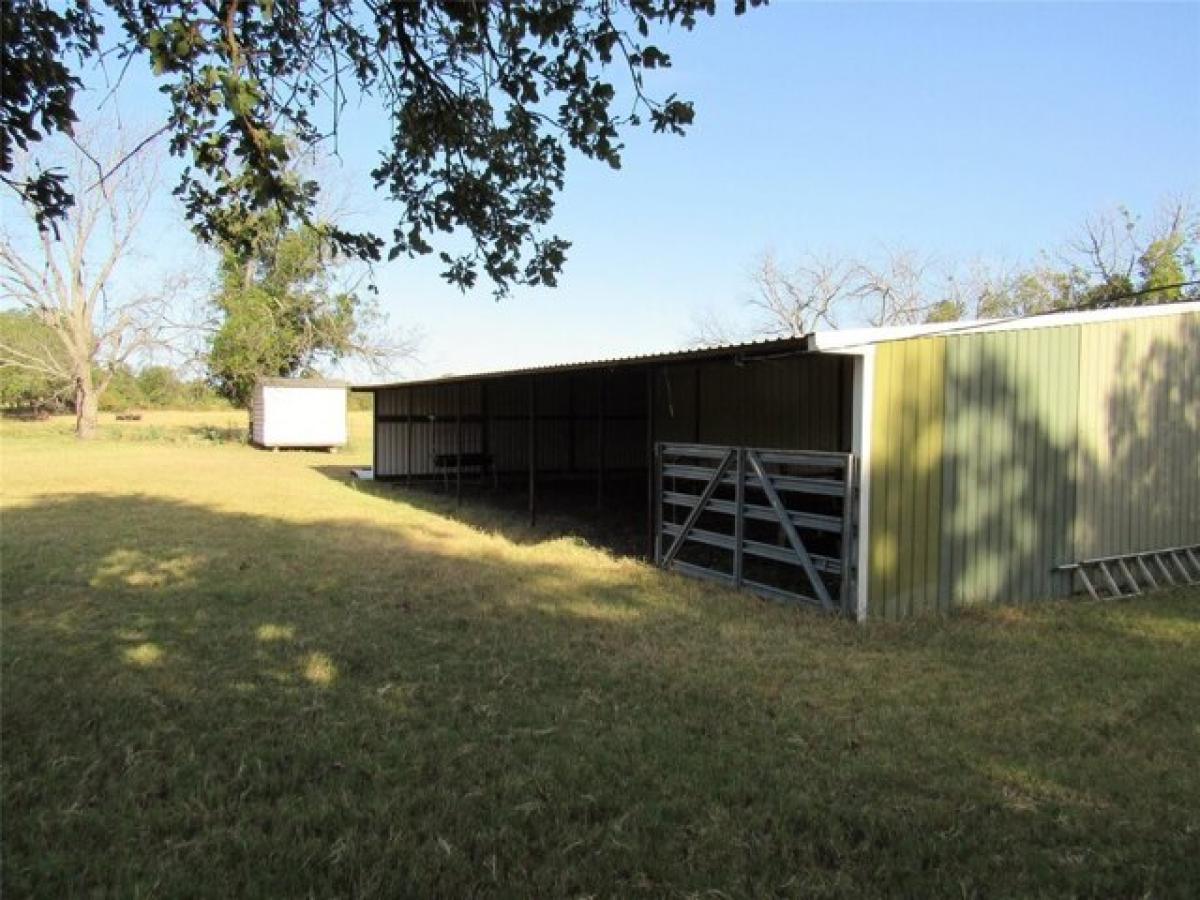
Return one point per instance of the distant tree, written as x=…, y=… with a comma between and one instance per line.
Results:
x=895, y=291
x=282, y=311
x=161, y=387
x=123, y=392
x=825, y=291
x=794, y=301
x=66, y=278
x=1115, y=259
x=710, y=328
x=483, y=100
x=27, y=337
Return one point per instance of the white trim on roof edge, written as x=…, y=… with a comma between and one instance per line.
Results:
x=852, y=338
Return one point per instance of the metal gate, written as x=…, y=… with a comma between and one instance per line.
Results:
x=776, y=522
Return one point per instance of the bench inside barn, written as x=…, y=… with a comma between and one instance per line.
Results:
x=478, y=464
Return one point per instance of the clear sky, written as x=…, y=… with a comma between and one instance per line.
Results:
x=961, y=130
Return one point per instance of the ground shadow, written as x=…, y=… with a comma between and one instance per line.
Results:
x=565, y=508
x=351, y=707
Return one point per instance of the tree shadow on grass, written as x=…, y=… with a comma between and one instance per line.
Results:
x=565, y=508
x=204, y=702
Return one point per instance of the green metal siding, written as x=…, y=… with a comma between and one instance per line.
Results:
x=906, y=479
x=1008, y=471
x=997, y=457
x=1139, y=429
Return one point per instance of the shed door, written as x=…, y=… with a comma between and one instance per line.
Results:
x=776, y=522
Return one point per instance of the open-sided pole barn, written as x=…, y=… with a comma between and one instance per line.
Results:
x=883, y=472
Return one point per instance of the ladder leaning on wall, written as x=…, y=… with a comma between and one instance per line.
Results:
x=1132, y=574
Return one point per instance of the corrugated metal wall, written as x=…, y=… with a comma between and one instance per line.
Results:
x=495, y=416
x=798, y=402
x=1139, y=435
x=1008, y=465
x=997, y=457
x=906, y=477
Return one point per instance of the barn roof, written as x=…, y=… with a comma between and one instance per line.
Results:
x=851, y=340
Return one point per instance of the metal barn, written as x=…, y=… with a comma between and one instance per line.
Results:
x=880, y=473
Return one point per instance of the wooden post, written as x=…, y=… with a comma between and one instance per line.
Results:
x=600, y=440
x=458, y=444
x=696, y=405
x=532, y=453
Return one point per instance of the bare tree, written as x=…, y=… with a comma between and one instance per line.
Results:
x=1118, y=258
x=796, y=301
x=823, y=290
x=711, y=329
x=66, y=277
x=896, y=290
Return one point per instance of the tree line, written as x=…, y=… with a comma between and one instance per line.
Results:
x=150, y=386
x=1115, y=258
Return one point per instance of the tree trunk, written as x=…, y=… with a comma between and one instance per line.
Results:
x=87, y=406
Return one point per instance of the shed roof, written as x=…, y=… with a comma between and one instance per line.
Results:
x=303, y=382
x=851, y=340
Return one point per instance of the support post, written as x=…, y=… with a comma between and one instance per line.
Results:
x=532, y=453
x=375, y=395
x=408, y=441
x=658, y=504
x=739, y=516
x=650, y=498
x=571, y=423
x=600, y=440
x=458, y=443
x=485, y=427
x=847, y=584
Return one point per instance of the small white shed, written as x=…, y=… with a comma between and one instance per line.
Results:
x=298, y=412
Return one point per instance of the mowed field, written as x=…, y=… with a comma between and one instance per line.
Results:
x=228, y=672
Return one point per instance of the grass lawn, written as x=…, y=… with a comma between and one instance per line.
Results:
x=229, y=672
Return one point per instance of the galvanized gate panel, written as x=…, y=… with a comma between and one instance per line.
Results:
x=776, y=522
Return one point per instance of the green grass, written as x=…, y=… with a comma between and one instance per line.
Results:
x=229, y=672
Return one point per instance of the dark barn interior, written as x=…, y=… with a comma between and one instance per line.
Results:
x=580, y=440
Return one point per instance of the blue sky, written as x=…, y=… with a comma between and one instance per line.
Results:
x=962, y=130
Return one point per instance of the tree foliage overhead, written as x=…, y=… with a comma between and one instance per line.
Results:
x=484, y=98
x=281, y=312
x=37, y=99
